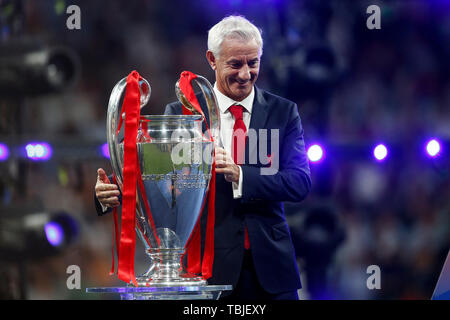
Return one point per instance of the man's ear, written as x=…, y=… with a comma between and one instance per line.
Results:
x=211, y=59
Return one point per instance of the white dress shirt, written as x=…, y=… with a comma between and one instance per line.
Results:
x=227, y=124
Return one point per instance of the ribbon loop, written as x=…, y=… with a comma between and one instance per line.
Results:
x=131, y=107
x=193, y=247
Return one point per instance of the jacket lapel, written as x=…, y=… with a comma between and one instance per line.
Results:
x=260, y=111
x=260, y=114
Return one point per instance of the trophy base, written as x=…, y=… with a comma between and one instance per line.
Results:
x=166, y=280
x=207, y=292
x=167, y=271
x=183, y=280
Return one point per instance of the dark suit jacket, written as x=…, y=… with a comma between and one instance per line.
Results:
x=260, y=207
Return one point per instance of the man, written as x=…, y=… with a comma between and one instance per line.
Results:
x=253, y=249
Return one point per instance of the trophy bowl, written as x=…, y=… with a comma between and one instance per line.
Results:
x=175, y=161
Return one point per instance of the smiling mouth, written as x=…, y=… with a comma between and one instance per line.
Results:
x=243, y=84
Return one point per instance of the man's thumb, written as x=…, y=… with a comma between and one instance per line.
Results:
x=101, y=175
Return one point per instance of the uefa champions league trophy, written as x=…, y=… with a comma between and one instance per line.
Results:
x=175, y=162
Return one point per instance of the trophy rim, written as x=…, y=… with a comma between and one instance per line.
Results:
x=177, y=117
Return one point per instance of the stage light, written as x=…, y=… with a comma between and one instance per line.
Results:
x=433, y=148
x=105, y=150
x=315, y=153
x=54, y=233
x=38, y=151
x=36, y=235
x=30, y=67
x=4, y=152
x=380, y=152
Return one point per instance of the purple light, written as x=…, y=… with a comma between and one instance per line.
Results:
x=54, y=233
x=38, y=151
x=105, y=150
x=315, y=153
x=433, y=148
x=4, y=152
x=380, y=152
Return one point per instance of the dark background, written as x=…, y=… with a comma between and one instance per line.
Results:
x=355, y=87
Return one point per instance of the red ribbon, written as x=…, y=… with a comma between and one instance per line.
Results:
x=185, y=85
x=208, y=254
x=132, y=109
x=115, y=236
x=193, y=247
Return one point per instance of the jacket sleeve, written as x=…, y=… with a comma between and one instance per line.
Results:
x=173, y=109
x=291, y=180
x=98, y=207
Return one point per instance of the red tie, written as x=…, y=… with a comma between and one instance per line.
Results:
x=238, y=146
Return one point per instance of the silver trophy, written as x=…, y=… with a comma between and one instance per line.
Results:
x=175, y=159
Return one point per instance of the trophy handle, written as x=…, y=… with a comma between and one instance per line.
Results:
x=112, y=122
x=211, y=102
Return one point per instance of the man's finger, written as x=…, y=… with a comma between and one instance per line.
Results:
x=110, y=202
x=220, y=152
x=101, y=176
x=224, y=170
x=100, y=186
x=108, y=194
x=224, y=157
x=220, y=164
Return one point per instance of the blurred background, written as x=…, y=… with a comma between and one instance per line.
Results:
x=375, y=107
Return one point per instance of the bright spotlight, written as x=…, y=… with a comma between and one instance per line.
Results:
x=315, y=153
x=105, y=150
x=433, y=148
x=38, y=151
x=380, y=152
x=4, y=152
x=54, y=233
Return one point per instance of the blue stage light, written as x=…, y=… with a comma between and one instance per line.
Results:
x=315, y=153
x=380, y=152
x=433, y=148
x=54, y=233
x=38, y=151
x=4, y=152
x=105, y=150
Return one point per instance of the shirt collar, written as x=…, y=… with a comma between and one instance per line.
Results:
x=225, y=102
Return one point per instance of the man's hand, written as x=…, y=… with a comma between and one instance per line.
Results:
x=107, y=193
x=226, y=165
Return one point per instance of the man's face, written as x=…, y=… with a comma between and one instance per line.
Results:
x=236, y=68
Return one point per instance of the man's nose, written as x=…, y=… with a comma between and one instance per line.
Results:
x=244, y=73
